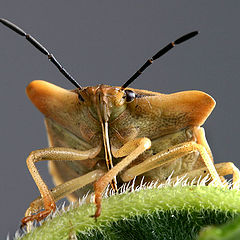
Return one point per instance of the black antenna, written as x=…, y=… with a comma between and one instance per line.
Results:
x=158, y=55
x=42, y=49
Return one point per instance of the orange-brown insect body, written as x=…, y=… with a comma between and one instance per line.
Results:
x=102, y=135
x=166, y=120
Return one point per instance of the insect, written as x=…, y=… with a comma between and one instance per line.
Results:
x=109, y=135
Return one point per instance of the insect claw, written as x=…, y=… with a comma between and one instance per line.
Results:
x=25, y=220
x=22, y=225
x=94, y=216
x=98, y=210
x=38, y=217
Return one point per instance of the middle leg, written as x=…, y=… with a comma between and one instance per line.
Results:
x=170, y=155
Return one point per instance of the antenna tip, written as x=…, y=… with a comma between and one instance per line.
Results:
x=195, y=33
x=186, y=37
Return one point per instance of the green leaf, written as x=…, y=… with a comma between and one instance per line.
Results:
x=228, y=231
x=160, y=213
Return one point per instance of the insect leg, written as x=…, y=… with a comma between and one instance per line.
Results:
x=227, y=168
x=64, y=189
x=199, y=133
x=56, y=154
x=223, y=169
x=169, y=155
x=132, y=149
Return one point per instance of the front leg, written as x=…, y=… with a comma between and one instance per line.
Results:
x=55, y=154
x=132, y=150
x=62, y=191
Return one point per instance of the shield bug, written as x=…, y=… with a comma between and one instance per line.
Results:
x=109, y=135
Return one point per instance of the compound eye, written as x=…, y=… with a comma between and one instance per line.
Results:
x=130, y=95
